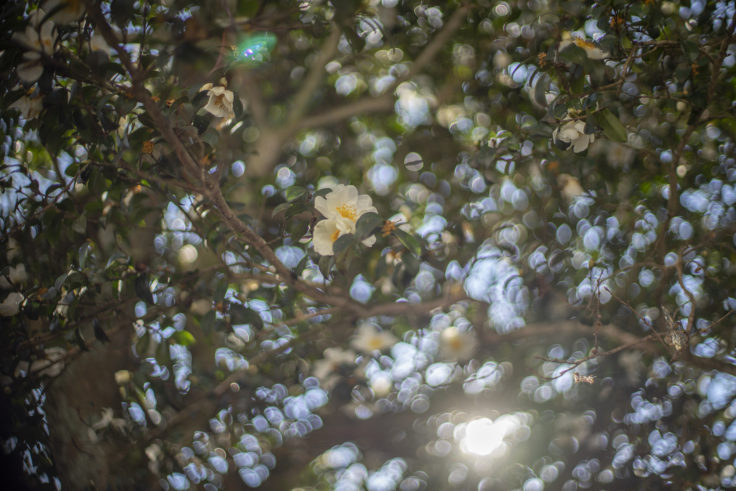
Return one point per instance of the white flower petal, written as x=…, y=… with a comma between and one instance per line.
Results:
x=324, y=236
x=30, y=71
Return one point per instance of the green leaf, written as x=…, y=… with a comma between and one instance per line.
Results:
x=295, y=192
x=99, y=332
x=574, y=54
x=611, y=126
x=281, y=208
x=244, y=315
x=367, y=225
x=209, y=320
x=295, y=210
x=540, y=90
x=80, y=340
x=342, y=243
x=184, y=338
x=141, y=346
x=325, y=263
x=322, y=192
x=142, y=288
x=220, y=291
x=409, y=241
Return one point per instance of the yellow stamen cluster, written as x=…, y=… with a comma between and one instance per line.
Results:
x=387, y=228
x=147, y=147
x=616, y=21
x=585, y=379
x=347, y=211
x=542, y=59
x=582, y=43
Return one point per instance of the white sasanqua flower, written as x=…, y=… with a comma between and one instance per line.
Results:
x=220, y=103
x=52, y=364
x=327, y=369
x=570, y=187
x=65, y=11
x=16, y=276
x=11, y=305
x=39, y=39
x=573, y=134
x=456, y=345
x=342, y=207
x=368, y=339
x=591, y=50
x=29, y=106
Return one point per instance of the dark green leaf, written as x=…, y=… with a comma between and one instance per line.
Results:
x=143, y=289
x=244, y=315
x=367, y=225
x=281, y=208
x=184, y=338
x=99, y=332
x=342, y=243
x=220, y=291
x=610, y=125
x=409, y=241
x=209, y=320
x=80, y=340
x=295, y=192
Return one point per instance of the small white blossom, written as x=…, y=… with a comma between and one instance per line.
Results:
x=122, y=377
x=52, y=364
x=326, y=369
x=368, y=339
x=13, y=250
x=570, y=187
x=456, y=345
x=573, y=134
x=16, y=276
x=201, y=306
x=97, y=43
x=29, y=106
x=39, y=39
x=11, y=305
x=381, y=384
x=220, y=103
x=342, y=207
x=591, y=50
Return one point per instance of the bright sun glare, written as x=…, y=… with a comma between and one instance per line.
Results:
x=483, y=436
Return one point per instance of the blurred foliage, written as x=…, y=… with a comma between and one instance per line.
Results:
x=546, y=304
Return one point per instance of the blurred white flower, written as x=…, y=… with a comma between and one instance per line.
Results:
x=98, y=43
x=573, y=134
x=368, y=339
x=570, y=187
x=334, y=358
x=456, y=345
x=65, y=11
x=619, y=155
x=342, y=207
x=201, y=306
x=220, y=103
x=381, y=385
x=29, y=106
x=108, y=419
x=591, y=50
x=52, y=364
x=39, y=39
x=122, y=377
x=11, y=305
x=17, y=275
x=13, y=250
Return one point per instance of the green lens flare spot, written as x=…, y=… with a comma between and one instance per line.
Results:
x=255, y=49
